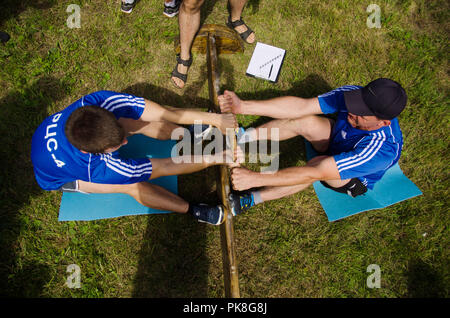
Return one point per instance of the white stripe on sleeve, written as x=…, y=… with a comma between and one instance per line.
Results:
x=126, y=169
x=369, y=155
x=112, y=100
x=368, y=148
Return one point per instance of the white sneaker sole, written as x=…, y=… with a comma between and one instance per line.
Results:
x=221, y=218
x=126, y=11
x=170, y=15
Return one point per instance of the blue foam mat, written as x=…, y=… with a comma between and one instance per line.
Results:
x=393, y=187
x=94, y=206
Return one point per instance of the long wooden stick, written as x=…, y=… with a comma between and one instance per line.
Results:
x=230, y=268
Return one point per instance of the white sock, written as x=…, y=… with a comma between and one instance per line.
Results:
x=257, y=197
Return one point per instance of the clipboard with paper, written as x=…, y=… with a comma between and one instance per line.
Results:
x=266, y=62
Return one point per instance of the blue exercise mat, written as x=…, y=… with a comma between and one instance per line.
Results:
x=94, y=206
x=393, y=187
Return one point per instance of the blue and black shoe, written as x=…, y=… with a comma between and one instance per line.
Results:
x=240, y=202
x=208, y=214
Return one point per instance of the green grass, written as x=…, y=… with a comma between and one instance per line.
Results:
x=285, y=248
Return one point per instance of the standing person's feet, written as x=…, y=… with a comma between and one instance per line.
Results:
x=242, y=29
x=171, y=9
x=179, y=73
x=127, y=6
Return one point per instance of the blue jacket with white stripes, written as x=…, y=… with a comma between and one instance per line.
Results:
x=56, y=161
x=361, y=154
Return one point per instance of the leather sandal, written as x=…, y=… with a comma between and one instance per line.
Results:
x=244, y=35
x=176, y=73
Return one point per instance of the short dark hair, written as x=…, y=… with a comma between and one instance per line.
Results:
x=93, y=129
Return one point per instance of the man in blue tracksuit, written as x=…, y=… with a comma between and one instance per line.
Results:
x=356, y=149
x=76, y=149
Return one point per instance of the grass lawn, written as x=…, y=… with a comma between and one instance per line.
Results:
x=285, y=248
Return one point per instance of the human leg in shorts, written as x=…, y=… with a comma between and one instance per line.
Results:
x=71, y=186
x=318, y=131
x=156, y=197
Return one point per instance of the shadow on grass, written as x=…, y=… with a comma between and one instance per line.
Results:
x=172, y=260
x=424, y=281
x=21, y=114
x=12, y=8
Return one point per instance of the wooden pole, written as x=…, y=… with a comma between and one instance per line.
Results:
x=229, y=260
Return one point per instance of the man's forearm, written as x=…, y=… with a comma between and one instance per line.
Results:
x=281, y=107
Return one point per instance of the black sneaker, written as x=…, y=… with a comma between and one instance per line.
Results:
x=240, y=202
x=172, y=11
x=127, y=7
x=208, y=214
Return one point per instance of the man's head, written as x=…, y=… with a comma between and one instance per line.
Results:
x=94, y=129
x=376, y=104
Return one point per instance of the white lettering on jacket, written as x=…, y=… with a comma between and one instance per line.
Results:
x=53, y=141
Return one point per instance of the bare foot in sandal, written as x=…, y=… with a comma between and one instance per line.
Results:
x=179, y=73
x=242, y=29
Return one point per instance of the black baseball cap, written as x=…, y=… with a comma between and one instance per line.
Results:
x=382, y=97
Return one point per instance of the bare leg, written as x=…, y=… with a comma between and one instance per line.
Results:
x=161, y=130
x=315, y=129
x=145, y=193
x=168, y=166
x=273, y=193
x=237, y=6
x=189, y=23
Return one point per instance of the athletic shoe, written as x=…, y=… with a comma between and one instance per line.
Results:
x=172, y=11
x=240, y=203
x=204, y=133
x=127, y=7
x=208, y=214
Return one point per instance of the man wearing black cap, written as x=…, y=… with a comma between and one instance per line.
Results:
x=355, y=150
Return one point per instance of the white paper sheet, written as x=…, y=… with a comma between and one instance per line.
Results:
x=266, y=62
